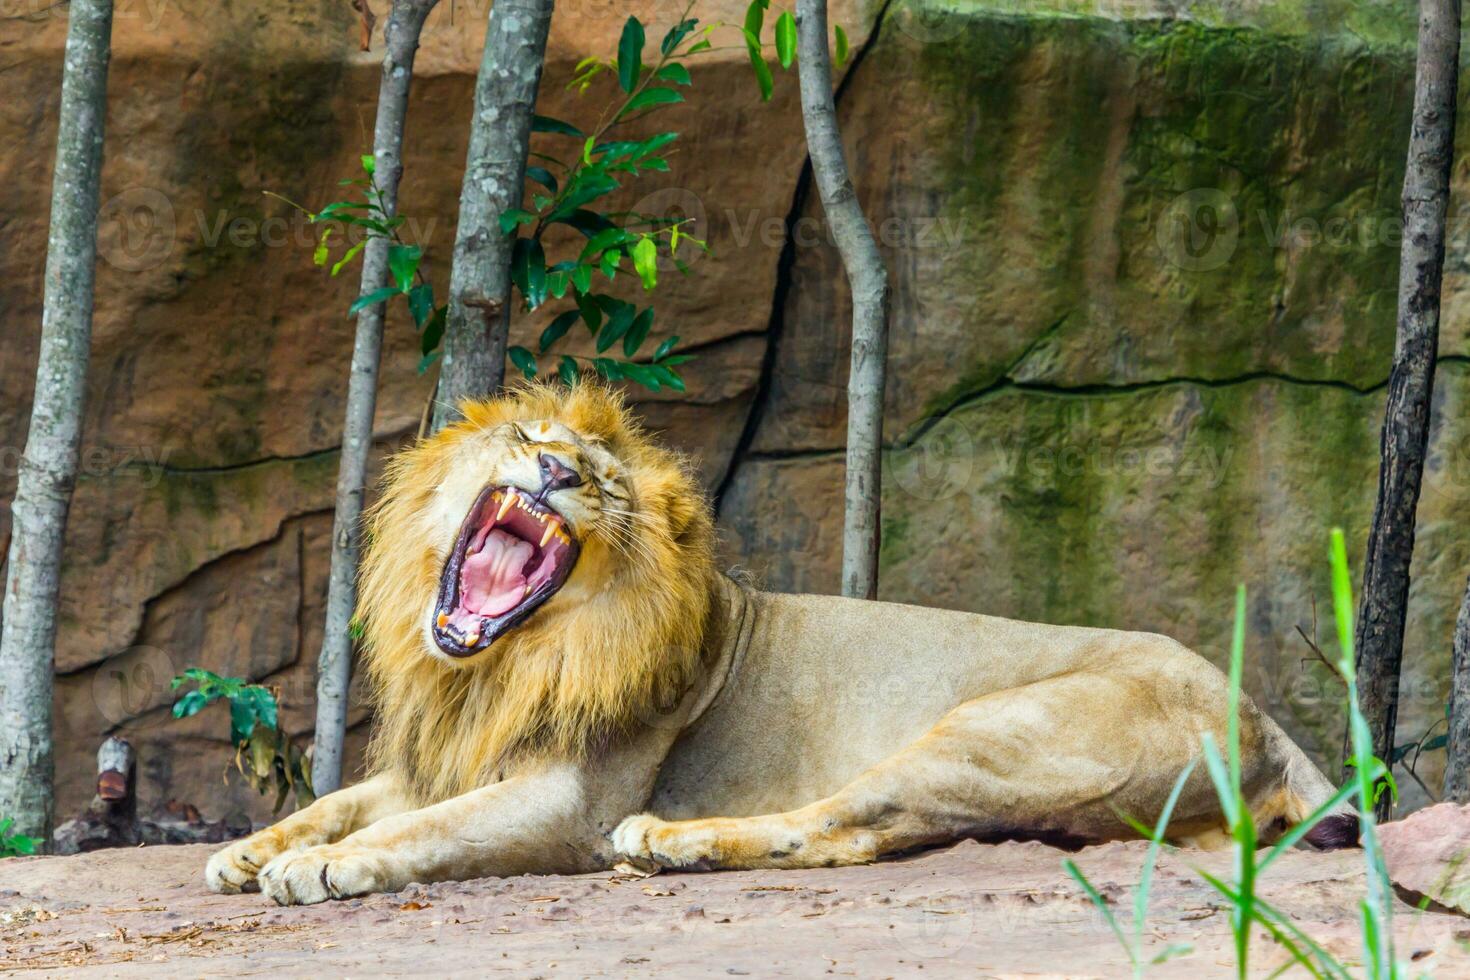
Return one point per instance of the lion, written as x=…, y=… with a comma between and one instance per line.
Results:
x=563, y=681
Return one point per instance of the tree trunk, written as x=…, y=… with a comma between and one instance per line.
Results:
x=1457, y=748
x=868, y=281
x=494, y=179
x=48, y=468
x=334, y=666
x=1380, y=633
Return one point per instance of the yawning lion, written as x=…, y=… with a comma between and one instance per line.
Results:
x=563, y=681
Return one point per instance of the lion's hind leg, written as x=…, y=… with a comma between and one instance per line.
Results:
x=1050, y=759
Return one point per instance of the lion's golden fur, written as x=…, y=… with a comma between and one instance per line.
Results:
x=575, y=671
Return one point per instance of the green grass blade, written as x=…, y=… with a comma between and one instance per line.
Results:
x=1145, y=879
x=1215, y=766
x=1237, y=666
x=1076, y=874
x=1295, y=834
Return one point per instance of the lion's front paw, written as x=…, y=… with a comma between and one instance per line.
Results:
x=315, y=875
x=647, y=838
x=234, y=869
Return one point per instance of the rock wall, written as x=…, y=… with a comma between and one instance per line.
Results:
x=1144, y=257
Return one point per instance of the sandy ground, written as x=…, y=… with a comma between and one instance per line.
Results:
x=972, y=910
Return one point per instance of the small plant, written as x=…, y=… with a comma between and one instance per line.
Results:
x=264, y=754
x=15, y=845
x=565, y=191
x=1247, y=909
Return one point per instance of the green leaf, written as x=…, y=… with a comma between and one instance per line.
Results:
x=524, y=360
x=372, y=299
x=665, y=347
x=645, y=262
x=630, y=54
x=608, y=368
x=700, y=46
x=638, y=332
x=568, y=370
x=617, y=324
x=842, y=48
x=319, y=255
x=543, y=177
x=609, y=263
x=513, y=218
x=348, y=256
x=674, y=72
x=433, y=333
x=190, y=704
x=676, y=34
x=667, y=376
x=591, y=312
x=755, y=18
x=403, y=262
x=558, y=328
x=421, y=303
x=762, y=70
x=586, y=186
x=641, y=374
x=582, y=278
x=536, y=274
x=786, y=39
x=427, y=361
x=651, y=96
x=369, y=164
x=546, y=124
x=604, y=239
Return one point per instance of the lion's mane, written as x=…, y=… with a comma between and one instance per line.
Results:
x=571, y=675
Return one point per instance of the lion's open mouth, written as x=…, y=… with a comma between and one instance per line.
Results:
x=512, y=554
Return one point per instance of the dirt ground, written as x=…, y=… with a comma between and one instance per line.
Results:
x=972, y=910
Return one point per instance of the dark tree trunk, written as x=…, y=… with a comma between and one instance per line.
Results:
x=49, y=466
x=1380, y=632
x=494, y=180
x=868, y=280
x=334, y=665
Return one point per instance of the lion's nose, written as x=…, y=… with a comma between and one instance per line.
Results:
x=557, y=474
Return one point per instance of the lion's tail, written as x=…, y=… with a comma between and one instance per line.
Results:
x=1307, y=789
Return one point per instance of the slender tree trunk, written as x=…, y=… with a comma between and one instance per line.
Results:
x=1380, y=633
x=48, y=468
x=1457, y=749
x=868, y=281
x=494, y=178
x=334, y=666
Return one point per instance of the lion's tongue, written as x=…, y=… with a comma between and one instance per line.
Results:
x=491, y=582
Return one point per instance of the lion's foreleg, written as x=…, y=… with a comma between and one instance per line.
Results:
x=329, y=819
x=538, y=822
x=858, y=824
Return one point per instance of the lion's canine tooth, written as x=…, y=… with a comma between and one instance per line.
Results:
x=551, y=528
x=506, y=504
x=443, y=620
